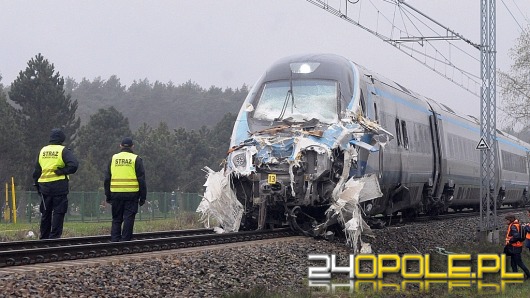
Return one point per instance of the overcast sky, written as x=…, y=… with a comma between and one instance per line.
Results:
x=227, y=43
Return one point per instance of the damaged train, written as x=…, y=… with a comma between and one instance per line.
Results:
x=322, y=140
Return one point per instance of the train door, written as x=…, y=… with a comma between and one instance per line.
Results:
x=383, y=112
x=437, y=159
x=402, y=133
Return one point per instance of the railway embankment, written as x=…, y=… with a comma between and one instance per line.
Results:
x=278, y=266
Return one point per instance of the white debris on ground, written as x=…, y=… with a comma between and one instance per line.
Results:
x=348, y=213
x=220, y=202
x=218, y=230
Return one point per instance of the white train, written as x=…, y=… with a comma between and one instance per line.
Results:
x=312, y=122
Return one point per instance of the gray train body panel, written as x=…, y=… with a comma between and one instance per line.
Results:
x=313, y=122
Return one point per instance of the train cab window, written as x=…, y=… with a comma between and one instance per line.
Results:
x=375, y=111
x=299, y=100
x=405, y=134
x=398, y=132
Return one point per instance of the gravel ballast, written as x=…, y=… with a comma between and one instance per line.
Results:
x=277, y=266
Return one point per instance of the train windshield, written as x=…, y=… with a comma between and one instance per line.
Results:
x=306, y=100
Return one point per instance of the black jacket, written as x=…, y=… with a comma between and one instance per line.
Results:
x=140, y=175
x=514, y=233
x=59, y=187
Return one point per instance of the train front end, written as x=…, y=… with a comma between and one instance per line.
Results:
x=300, y=147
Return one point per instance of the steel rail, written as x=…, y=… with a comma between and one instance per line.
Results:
x=397, y=220
x=95, y=250
x=27, y=244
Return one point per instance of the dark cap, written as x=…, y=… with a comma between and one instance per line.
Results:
x=57, y=136
x=510, y=217
x=127, y=142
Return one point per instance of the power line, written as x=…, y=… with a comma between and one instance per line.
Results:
x=513, y=17
x=414, y=41
x=467, y=80
x=515, y=3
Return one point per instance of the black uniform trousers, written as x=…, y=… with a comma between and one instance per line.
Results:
x=53, y=209
x=516, y=260
x=123, y=212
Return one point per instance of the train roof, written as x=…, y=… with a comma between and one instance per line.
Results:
x=438, y=106
x=435, y=105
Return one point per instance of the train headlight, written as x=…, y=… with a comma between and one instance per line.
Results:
x=304, y=67
x=240, y=160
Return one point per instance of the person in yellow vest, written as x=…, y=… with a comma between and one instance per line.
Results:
x=514, y=244
x=125, y=188
x=54, y=164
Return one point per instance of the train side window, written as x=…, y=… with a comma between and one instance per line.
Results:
x=405, y=134
x=398, y=132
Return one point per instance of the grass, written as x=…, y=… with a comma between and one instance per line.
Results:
x=19, y=231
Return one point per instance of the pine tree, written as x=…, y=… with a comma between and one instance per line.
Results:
x=10, y=134
x=39, y=91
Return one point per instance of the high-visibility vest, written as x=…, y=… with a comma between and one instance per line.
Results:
x=509, y=237
x=51, y=159
x=123, y=173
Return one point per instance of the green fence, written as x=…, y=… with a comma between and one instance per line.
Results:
x=91, y=206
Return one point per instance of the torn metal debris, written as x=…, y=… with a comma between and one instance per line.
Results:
x=220, y=202
x=304, y=159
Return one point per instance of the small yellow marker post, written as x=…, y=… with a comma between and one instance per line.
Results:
x=14, y=199
x=7, y=211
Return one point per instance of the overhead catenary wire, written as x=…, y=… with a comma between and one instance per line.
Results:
x=431, y=57
x=408, y=13
x=513, y=17
x=517, y=6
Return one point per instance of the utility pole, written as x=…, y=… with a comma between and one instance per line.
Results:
x=488, y=228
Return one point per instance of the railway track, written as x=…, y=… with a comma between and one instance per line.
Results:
x=397, y=220
x=16, y=245
x=47, y=251
x=31, y=252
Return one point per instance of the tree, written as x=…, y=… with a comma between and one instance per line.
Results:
x=159, y=151
x=515, y=85
x=220, y=139
x=97, y=141
x=39, y=92
x=10, y=134
x=98, y=94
